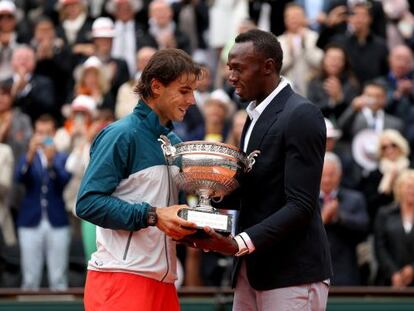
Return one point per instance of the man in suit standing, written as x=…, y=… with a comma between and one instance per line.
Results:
x=43, y=224
x=281, y=249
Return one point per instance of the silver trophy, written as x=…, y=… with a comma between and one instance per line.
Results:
x=207, y=170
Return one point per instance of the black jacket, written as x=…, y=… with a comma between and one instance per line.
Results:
x=394, y=248
x=344, y=234
x=279, y=207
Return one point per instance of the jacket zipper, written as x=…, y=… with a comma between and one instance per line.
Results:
x=165, y=236
x=127, y=245
x=166, y=258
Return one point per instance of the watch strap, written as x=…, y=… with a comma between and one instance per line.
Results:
x=152, y=216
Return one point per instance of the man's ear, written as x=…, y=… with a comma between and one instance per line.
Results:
x=156, y=87
x=269, y=66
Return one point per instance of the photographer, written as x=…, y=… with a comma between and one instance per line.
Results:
x=367, y=111
x=42, y=222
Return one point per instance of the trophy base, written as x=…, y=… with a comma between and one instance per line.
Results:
x=221, y=223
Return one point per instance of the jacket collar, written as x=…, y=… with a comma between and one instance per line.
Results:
x=267, y=118
x=151, y=119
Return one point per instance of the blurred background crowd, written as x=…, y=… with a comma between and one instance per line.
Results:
x=68, y=68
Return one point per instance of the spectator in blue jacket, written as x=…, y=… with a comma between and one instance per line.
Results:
x=43, y=226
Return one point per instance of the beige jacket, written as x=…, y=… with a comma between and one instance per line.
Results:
x=6, y=180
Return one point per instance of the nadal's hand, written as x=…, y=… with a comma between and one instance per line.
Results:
x=173, y=225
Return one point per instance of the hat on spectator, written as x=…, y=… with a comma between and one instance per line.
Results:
x=364, y=149
x=84, y=103
x=7, y=6
x=103, y=27
x=136, y=5
x=92, y=62
x=221, y=97
x=331, y=131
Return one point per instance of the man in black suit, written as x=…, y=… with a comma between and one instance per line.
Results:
x=345, y=216
x=33, y=93
x=282, y=252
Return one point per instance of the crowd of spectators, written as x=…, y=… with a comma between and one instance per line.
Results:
x=69, y=67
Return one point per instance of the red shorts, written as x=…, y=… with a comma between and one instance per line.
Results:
x=113, y=291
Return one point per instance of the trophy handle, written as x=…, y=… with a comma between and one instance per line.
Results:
x=167, y=149
x=217, y=200
x=251, y=160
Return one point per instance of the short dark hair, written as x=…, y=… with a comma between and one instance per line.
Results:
x=378, y=82
x=363, y=5
x=165, y=66
x=46, y=118
x=265, y=43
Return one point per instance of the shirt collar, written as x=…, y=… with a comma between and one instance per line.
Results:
x=254, y=111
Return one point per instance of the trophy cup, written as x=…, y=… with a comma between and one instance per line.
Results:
x=207, y=170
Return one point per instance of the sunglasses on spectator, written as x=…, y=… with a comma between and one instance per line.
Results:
x=385, y=147
x=6, y=16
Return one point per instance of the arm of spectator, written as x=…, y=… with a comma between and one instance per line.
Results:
x=407, y=274
x=348, y=116
x=23, y=172
x=333, y=24
x=288, y=56
x=313, y=54
x=86, y=49
x=62, y=176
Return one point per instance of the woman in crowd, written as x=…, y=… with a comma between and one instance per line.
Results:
x=393, y=152
x=75, y=26
x=92, y=80
x=334, y=86
x=394, y=237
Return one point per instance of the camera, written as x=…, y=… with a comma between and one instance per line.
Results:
x=48, y=141
x=369, y=101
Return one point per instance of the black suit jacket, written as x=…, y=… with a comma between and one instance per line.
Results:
x=279, y=207
x=344, y=234
x=40, y=98
x=394, y=248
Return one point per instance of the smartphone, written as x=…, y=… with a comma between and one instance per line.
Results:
x=48, y=141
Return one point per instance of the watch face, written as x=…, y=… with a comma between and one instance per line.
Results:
x=152, y=219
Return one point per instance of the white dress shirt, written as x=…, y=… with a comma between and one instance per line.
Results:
x=254, y=111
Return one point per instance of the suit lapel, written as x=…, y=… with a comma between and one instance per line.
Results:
x=243, y=135
x=267, y=118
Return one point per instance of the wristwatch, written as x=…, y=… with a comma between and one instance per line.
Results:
x=243, y=249
x=152, y=216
